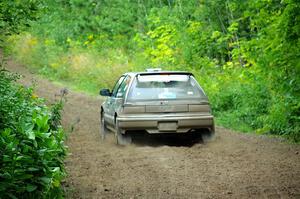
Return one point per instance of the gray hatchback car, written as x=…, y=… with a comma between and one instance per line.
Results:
x=157, y=102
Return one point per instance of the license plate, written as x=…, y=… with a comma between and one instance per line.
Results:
x=167, y=126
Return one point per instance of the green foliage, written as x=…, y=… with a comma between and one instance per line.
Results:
x=244, y=53
x=16, y=15
x=32, y=147
x=160, y=42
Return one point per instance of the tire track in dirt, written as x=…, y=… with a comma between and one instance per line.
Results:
x=233, y=165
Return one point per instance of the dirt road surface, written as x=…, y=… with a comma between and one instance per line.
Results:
x=233, y=165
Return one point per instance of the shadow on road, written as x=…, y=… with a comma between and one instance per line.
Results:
x=171, y=139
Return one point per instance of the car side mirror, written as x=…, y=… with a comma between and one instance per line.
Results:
x=105, y=92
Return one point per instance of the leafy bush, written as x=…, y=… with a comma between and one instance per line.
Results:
x=32, y=149
x=16, y=15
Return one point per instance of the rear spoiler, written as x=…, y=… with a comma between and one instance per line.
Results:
x=165, y=73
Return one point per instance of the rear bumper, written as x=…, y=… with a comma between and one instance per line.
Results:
x=166, y=123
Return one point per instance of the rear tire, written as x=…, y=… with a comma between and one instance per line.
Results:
x=103, y=128
x=121, y=139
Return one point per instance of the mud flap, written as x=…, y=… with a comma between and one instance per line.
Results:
x=122, y=138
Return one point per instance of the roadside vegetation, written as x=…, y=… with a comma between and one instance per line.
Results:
x=32, y=149
x=245, y=54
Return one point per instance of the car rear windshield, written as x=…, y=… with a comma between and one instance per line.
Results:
x=165, y=87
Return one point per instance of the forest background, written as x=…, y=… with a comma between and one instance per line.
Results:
x=245, y=54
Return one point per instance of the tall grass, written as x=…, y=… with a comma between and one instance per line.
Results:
x=81, y=66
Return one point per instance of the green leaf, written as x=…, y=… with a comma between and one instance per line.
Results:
x=45, y=180
x=12, y=196
x=5, y=175
x=19, y=157
x=55, y=169
x=7, y=158
x=25, y=176
x=56, y=183
x=42, y=122
x=31, y=187
x=6, y=132
x=30, y=134
x=35, y=143
x=32, y=169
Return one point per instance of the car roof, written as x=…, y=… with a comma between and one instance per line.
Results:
x=159, y=72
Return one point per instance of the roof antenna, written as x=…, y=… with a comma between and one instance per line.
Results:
x=153, y=69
